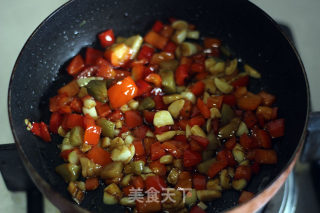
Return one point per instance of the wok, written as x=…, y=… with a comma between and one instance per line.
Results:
x=253, y=36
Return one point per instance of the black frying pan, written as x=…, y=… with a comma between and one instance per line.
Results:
x=253, y=36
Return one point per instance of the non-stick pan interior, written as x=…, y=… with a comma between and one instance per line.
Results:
x=40, y=71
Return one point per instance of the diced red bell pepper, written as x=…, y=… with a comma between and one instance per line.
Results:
x=241, y=82
x=215, y=101
x=276, y=128
x=230, y=144
x=158, y=26
x=245, y=141
x=137, y=72
x=250, y=119
x=45, y=135
x=99, y=156
x=162, y=129
x=154, y=78
x=55, y=122
x=245, y=196
x=155, y=39
x=226, y=155
x=140, y=132
x=186, y=110
x=75, y=65
x=157, y=58
x=240, y=91
x=158, y=168
x=70, y=89
x=41, y=130
x=122, y=92
x=88, y=121
x=230, y=100
x=65, y=154
x=115, y=116
x=72, y=120
x=197, y=209
x=184, y=181
x=267, y=98
x=147, y=142
x=203, y=108
x=103, y=110
x=105, y=70
x=197, y=68
x=56, y=102
x=200, y=140
x=215, y=125
x=167, y=31
x=76, y=105
x=181, y=138
x=198, y=120
x=199, y=182
x=156, y=182
x=133, y=119
x=196, y=147
x=146, y=52
x=211, y=43
x=172, y=149
x=181, y=74
x=265, y=156
x=143, y=87
x=249, y=101
x=170, y=47
x=92, y=55
x=201, y=76
x=92, y=135
x=157, y=151
x=216, y=167
x=183, y=124
x=106, y=38
x=191, y=158
x=139, y=148
x=263, y=139
x=88, y=71
x=243, y=172
x=137, y=182
x=92, y=183
x=128, y=190
x=148, y=116
x=198, y=88
x=159, y=102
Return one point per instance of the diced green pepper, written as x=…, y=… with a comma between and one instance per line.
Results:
x=226, y=114
x=230, y=129
x=169, y=65
x=76, y=136
x=98, y=89
x=69, y=171
x=204, y=166
x=168, y=82
x=147, y=103
x=107, y=127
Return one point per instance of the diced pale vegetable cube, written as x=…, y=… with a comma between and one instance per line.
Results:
x=162, y=118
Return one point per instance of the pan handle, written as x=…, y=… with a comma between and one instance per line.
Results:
x=16, y=177
x=311, y=149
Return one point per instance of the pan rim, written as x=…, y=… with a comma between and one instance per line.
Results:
x=65, y=204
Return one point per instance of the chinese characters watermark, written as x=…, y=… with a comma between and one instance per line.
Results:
x=153, y=195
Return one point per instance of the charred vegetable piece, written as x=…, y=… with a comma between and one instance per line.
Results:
x=98, y=89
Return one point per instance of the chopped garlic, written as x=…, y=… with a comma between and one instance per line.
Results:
x=162, y=118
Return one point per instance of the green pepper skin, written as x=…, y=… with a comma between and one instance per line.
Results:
x=76, y=136
x=147, y=103
x=168, y=82
x=98, y=89
x=69, y=172
x=107, y=127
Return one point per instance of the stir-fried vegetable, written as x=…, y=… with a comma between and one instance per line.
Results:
x=161, y=112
